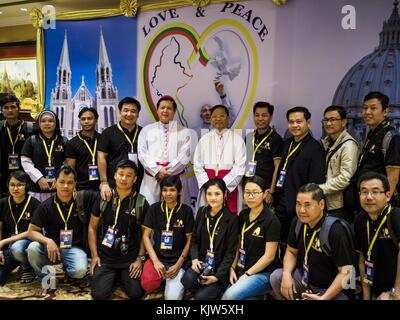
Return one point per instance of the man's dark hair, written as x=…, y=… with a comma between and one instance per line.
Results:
x=171, y=181
x=123, y=164
x=317, y=193
x=6, y=98
x=92, y=110
x=167, y=98
x=304, y=110
x=66, y=170
x=341, y=110
x=129, y=100
x=263, y=104
x=220, y=106
x=383, y=98
x=374, y=175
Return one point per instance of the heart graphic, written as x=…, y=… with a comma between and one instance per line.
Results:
x=180, y=62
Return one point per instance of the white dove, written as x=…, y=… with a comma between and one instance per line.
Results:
x=221, y=62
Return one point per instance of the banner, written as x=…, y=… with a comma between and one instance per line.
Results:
x=308, y=52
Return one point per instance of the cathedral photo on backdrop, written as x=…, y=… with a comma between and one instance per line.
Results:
x=89, y=67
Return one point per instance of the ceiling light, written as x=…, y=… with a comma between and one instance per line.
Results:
x=24, y=9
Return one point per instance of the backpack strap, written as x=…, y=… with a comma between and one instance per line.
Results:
x=325, y=230
x=298, y=228
x=391, y=231
x=29, y=127
x=80, y=209
x=337, y=148
x=387, y=138
x=139, y=205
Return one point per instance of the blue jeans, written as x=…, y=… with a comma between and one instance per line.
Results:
x=18, y=253
x=74, y=261
x=249, y=288
x=9, y=265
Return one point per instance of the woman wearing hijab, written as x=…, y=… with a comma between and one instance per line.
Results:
x=43, y=154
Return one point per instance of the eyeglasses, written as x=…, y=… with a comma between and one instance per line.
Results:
x=252, y=194
x=18, y=185
x=330, y=120
x=373, y=193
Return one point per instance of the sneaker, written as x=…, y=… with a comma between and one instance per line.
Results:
x=27, y=277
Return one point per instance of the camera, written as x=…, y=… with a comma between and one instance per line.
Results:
x=205, y=270
x=120, y=243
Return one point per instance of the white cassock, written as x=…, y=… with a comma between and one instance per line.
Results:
x=221, y=154
x=161, y=145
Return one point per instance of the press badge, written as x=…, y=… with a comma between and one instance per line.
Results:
x=133, y=157
x=13, y=161
x=109, y=238
x=369, y=273
x=210, y=259
x=50, y=173
x=242, y=258
x=304, y=279
x=93, y=173
x=281, y=179
x=166, y=240
x=251, y=168
x=65, y=239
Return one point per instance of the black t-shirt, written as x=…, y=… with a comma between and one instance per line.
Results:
x=384, y=253
x=48, y=217
x=372, y=158
x=34, y=149
x=266, y=229
x=16, y=209
x=113, y=142
x=270, y=149
x=127, y=225
x=77, y=149
x=6, y=147
x=323, y=269
x=181, y=224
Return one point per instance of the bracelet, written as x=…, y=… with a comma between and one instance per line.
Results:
x=183, y=257
x=247, y=274
x=233, y=267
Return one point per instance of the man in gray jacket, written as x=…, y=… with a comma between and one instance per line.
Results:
x=341, y=160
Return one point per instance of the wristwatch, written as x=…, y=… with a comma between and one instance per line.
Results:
x=142, y=258
x=394, y=294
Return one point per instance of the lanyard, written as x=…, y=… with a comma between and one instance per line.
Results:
x=290, y=153
x=22, y=213
x=61, y=214
x=92, y=153
x=117, y=213
x=244, y=230
x=47, y=150
x=16, y=138
x=169, y=215
x=308, y=247
x=372, y=243
x=262, y=141
x=131, y=142
x=213, y=233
